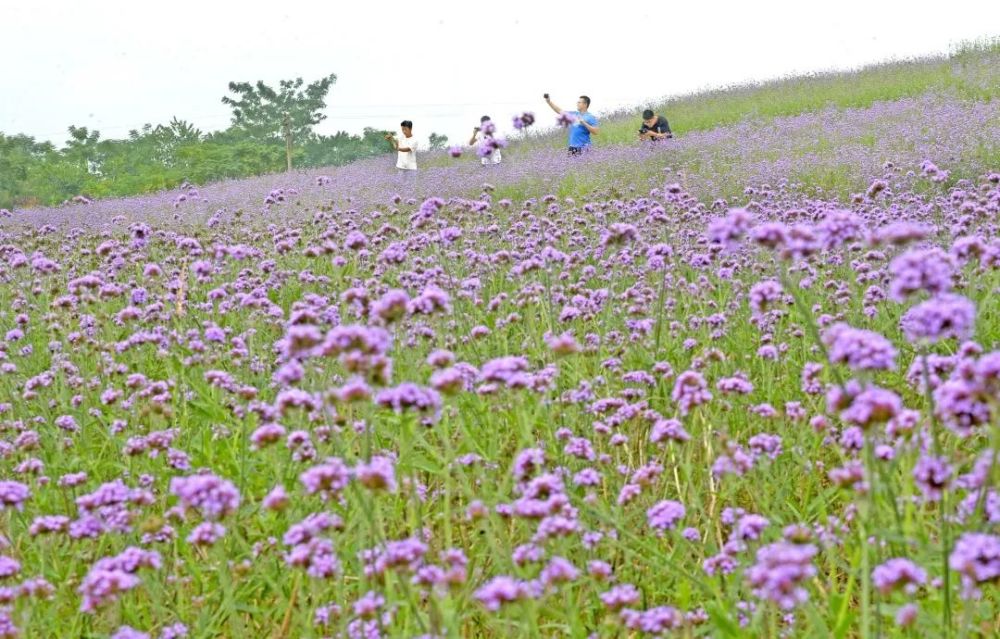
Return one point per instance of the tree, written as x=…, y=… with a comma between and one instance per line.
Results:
x=259, y=110
x=20, y=157
x=82, y=147
x=438, y=141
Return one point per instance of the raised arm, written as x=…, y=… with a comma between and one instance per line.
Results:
x=553, y=106
x=475, y=132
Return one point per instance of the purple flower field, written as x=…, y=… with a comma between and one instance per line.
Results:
x=746, y=383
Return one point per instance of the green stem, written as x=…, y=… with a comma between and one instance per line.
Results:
x=659, y=313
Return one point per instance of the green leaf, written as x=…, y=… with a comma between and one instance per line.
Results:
x=722, y=621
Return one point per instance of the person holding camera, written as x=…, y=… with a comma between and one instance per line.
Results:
x=584, y=125
x=486, y=129
x=654, y=127
x=406, y=152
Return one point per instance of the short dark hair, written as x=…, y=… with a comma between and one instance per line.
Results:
x=585, y=99
x=484, y=118
x=407, y=123
x=648, y=113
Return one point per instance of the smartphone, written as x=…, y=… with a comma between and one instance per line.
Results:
x=546, y=96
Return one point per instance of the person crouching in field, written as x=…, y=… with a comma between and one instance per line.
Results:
x=406, y=151
x=582, y=127
x=654, y=127
x=489, y=150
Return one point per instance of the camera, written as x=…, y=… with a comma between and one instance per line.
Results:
x=545, y=95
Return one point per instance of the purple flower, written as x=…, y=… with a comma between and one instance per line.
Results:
x=409, y=396
x=906, y=615
x=328, y=479
x=917, y=270
x=655, y=621
x=13, y=494
x=780, y=572
x=109, y=577
x=127, y=632
x=960, y=404
x=368, y=605
x=206, y=534
x=764, y=294
x=277, y=499
x=690, y=390
x=558, y=571
x=377, y=474
x=391, y=306
x=524, y=120
x=501, y=590
x=944, y=316
x=619, y=233
x=668, y=430
x=898, y=573
x=209, y=494
x=859, y=349
x=622, y=596
x=430, y=300
x=932, y=476
x=9, y=567
x=976, y=557
x=665, y=515
x=174, y=631
x=872, y=406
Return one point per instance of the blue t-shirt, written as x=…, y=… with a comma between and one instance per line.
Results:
x=579, y=136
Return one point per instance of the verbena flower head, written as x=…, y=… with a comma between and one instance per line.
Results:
x=976, y=558
x=944, y=316
x=212, y=496
x=898, y=573
x=931, y=270
x=781, y=572
x=859, y=349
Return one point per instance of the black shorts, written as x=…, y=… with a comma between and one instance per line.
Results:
x=575, y=150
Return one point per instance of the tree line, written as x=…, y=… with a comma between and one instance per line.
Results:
x=271, y=129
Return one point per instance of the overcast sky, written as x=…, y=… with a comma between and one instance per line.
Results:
x=115, y=65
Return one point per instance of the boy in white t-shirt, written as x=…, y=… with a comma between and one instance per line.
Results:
x=486, y=128
x=406, y=151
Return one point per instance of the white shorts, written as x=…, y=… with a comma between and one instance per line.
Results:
x=493, y=158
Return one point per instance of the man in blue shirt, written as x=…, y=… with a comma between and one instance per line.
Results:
x=583, y=126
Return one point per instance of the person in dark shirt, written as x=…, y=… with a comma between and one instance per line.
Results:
x=654, y=127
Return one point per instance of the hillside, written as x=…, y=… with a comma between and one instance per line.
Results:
x=831, y=131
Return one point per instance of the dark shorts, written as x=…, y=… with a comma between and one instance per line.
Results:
x=575, y=150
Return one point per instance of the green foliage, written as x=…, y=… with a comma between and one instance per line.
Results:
x=259, y=111
x=438, y=141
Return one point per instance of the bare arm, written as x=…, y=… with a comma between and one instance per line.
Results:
x=552, y=105
x=472, y=140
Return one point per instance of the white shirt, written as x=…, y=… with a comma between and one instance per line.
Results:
x=407, y=159
x=492, y=157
